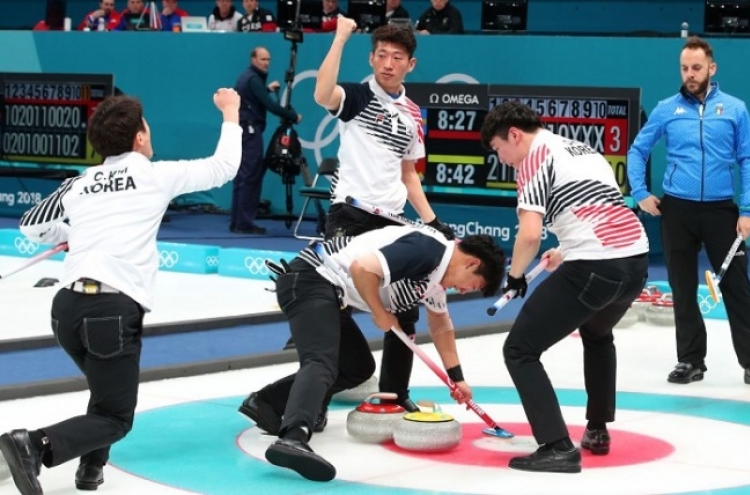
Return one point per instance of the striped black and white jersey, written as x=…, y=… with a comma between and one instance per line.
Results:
x=414, y=261
x=574, y=187
x=113, y=212
x=377, y=133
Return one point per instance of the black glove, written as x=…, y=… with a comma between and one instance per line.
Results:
x=517, y=284
x=276, y=268
x=442, y=228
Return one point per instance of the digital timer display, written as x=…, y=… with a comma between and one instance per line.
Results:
x=44, y=117
x=458, y=169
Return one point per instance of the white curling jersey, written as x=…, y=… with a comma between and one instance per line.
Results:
x=408, y=279
x=114, y=211
x=574, y=187
x=377, y=133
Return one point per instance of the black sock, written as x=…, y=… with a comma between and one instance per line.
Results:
x=39, y=440
x=297, y=433
x=563, y=445
x=596, y=425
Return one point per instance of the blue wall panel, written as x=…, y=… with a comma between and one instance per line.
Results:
x=175, y=75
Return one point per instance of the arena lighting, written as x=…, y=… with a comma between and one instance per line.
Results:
x=731, y=17
x=504, y=15
x=368, y=14
x=309, y=16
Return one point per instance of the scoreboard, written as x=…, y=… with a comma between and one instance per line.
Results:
x=44, y=117
x=458, y=169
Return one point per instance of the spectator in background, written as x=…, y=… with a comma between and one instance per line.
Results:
x=255, y=92
x=134, y=8
x=54, y=19
x=170, y=15
x=224, y=17
x=255, y=18
x=331, y=12
x=441, y=18
x=394, y=10
x=105, y=11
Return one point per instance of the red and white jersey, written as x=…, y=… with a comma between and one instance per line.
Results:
x=378, y=131
x=574, y=187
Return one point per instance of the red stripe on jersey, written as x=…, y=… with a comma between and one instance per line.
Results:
x=416, y=114
x=530, y=165
x=614, y=226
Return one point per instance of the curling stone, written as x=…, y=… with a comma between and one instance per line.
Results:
x=432, y=431
x=637, y=309
x=372, y=421
x=629, y=319
x=644, y=300
x=661, y=311
x=359, y=393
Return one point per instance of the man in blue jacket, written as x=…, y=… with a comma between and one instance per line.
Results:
x=707, y=131
x=255, y=93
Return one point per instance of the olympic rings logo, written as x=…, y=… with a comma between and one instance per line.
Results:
x=168, y=259
x=256, y=266
x=25, y=246
x=706, y=303
x=321, y=141
x=212, y=261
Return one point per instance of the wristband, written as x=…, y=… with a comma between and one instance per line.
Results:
x=455, y=373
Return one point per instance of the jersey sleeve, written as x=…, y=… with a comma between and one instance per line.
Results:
x=413, y=256
x=45, y=222
x=184, y=176
x=355, y=99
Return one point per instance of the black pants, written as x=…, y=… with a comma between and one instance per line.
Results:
x=333, y=354
x=247, y=185
x=398, y=360
x=685, y=226
x=591, y=296
x=102, y=334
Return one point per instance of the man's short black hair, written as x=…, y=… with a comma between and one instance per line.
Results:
x=114, y=125
x=501, y=118
x=492, y=257
x=390, y=33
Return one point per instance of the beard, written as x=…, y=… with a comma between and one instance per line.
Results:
x=700, y=89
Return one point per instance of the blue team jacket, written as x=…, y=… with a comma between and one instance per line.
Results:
x=703, y=140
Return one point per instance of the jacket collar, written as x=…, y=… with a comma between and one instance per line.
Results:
x=713, y=89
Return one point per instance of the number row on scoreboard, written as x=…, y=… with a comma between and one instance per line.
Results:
x=564, y=107
x=16, y=90
x=43, y=116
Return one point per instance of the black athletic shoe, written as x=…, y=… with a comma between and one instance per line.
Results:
x=298, y=456
x=89, y=477
x=686, y=373
x=596, y=441
x=747, y=376
x=23, y=460
x=261, y=413
x=547, y=459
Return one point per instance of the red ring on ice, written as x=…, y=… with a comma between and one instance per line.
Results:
x=627, y=448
